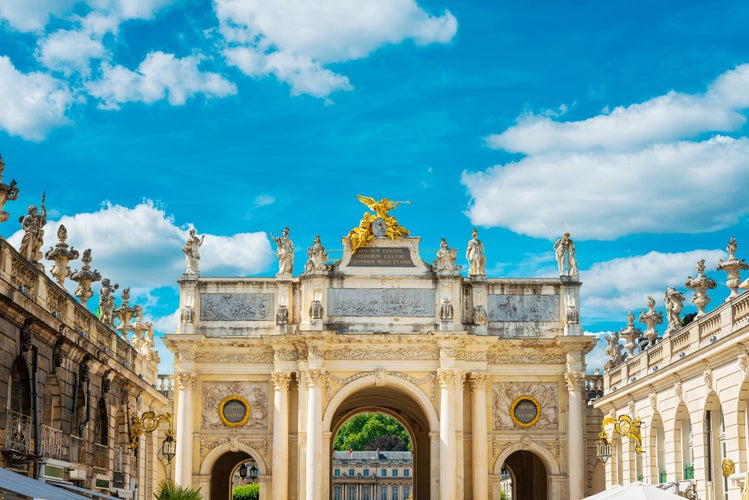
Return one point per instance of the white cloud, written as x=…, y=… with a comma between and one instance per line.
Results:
x=623, y=284
x=262, y=200
x=598, y=195
x=160, y=75
x=295, y=39
x=634, y=170
x=141, y=247
x=664, y=118
x=32, y=15
x=69, y=51
x=31, y=104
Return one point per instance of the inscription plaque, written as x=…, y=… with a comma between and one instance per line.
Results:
x=525, y=411
x=381, y=257
x=234, y=411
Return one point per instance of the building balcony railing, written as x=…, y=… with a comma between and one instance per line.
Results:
x=78, y=450
x=101, y=456
x=51, y=445
x=18, y=432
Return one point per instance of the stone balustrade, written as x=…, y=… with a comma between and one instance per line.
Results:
x=24, y=281
x=703, y=331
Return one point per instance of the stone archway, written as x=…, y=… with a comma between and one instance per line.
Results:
x=529, y=476
x=218, y=467
x=533, y=469
x=401, y=400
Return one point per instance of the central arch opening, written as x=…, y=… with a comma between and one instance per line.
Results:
x=397, y=404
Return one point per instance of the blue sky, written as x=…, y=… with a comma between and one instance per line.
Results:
x=621, y=122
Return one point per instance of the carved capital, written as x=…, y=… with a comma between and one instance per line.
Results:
x=478, y=381
x=574, y=380
x=185, y=381
x=281, y=380
x=448, y=378
x=315, y=377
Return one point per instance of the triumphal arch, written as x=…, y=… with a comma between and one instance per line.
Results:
x=486, y=374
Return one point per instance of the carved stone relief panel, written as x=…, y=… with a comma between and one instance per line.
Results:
x=505, y=393
x=523, y=307
x=380, y=302
x=255, y=393
x=236, y=306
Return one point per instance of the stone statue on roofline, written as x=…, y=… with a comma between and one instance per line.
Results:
x=564, y=250
x=446, y=257
x=317, y=258
x=33, y=227
x=192, y=253
x=285, y=253
x=613, y=351
x=674, y=305
x=475, y=255
x=106, y=302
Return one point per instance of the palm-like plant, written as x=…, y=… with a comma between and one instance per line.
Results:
x=170, y=491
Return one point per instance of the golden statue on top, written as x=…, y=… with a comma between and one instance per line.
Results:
x=377, y=224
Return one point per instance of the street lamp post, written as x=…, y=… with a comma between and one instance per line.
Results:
x=146, y=424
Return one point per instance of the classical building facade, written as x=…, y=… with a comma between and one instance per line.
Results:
x=689, y=388
x=372, y=475
x=486, y=374
x=69, y=382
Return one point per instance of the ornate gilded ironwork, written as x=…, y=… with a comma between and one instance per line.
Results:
x=146, y=424
x=624, y=425
x=377, y=224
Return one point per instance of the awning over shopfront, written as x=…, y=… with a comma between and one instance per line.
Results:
x=13, y=482
x=83, y=491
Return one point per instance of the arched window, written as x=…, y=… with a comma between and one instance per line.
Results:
x=20, y=388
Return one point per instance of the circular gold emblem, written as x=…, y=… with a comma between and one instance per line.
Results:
x=234, y=411
x=525, y=411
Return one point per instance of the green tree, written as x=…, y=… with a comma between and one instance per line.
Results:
x=372, y=431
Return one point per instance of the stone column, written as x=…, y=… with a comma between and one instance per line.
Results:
x=314, y=433
x=280, y=470
x=183, y=465
x=575, y=434
x=479, y=437
x=434, y=467
x=447, y=378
